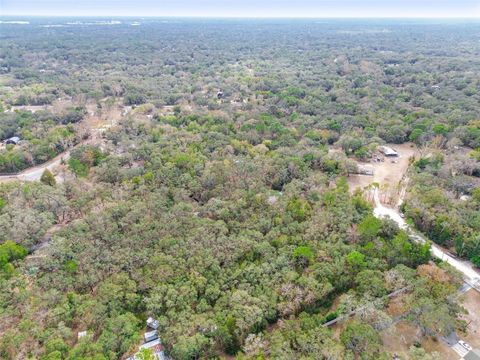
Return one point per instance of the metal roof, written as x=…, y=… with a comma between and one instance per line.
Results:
x=473, y=355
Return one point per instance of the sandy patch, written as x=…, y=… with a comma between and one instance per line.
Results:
x=400, y=337
x=388, y=173
x=472, y=305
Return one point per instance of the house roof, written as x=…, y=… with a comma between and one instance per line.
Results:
x=150, y=335
x=152, y=323
x=473, y=355
x=14, y=139
x=156, y=347
x=388, y=150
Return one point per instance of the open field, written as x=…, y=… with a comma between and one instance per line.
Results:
x=388, y=173
x=399, y=338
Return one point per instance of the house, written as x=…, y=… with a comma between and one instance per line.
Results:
x=152, y=342
x=157, y=349
x=81, y=334
x=13, y=140
x=150, y=336
x=472, y=355
x=152, y=323
x=388, y=151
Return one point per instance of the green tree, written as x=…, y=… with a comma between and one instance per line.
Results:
x=10, y=251
x=415, y=135
x=369, y=228
x=362, y=339
x=303, y=255
x=78, y=168
x=356, y=260
x=476, y=260
x=371, y=282
x=145, y=354
x=190, y=347
x=47, y=178
x=299, y=209
x=119, y=334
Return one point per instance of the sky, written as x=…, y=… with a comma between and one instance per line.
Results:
x=246, y=8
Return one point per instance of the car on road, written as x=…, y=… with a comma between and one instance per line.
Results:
x=465, y=345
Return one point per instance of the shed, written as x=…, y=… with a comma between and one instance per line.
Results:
x=150, y=336
x=388, y=151
x=13, y=140
x=156, y=347
x=366, y=170
x=152, y=323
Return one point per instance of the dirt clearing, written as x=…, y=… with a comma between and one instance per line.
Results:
x=472, y=304
x=399, y=338
x=387, y=173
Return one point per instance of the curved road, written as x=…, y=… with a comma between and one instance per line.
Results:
x=35, y=173
x=472, y=276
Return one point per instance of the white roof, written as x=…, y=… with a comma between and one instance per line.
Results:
x=150, y=335
x=388, y=150
x=151, y=322
x=151, y=344
x=14, y=138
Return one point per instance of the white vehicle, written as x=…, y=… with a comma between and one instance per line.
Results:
x=465, y=345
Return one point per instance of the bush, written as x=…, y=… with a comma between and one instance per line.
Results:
x=476, y=260
x=299, y=209
x=47, y=178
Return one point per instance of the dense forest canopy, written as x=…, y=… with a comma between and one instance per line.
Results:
x=206, y=185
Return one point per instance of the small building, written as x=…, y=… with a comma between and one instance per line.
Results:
x=150, y=336
x=13, y=140
x=388, y=151
x=81, y=334
x=152, y=323
x=366, y=170
x=157, y=349
x=472, y=355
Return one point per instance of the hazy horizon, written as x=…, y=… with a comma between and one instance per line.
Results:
x=427, y=9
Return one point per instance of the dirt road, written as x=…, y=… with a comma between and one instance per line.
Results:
x=35, y=173
x=97, y=125
x=465, y=267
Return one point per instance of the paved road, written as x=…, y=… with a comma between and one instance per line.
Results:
x=465, y=267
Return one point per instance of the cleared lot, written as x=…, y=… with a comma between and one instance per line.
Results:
x=472, y=305
x=388, y=173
